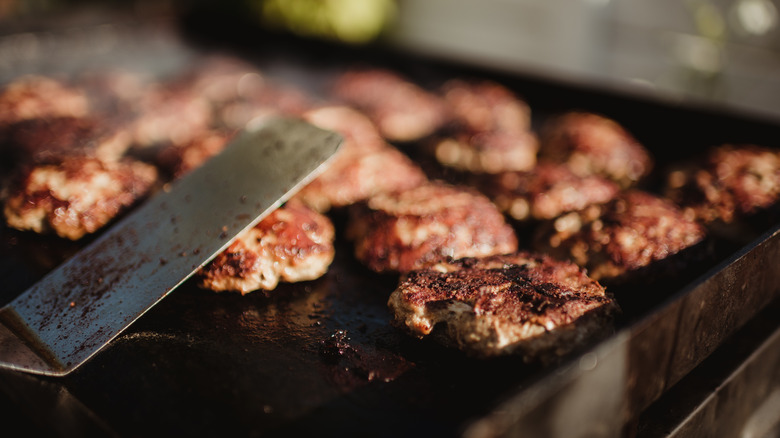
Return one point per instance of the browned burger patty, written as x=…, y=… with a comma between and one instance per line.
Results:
x=488, y=152
x=480, y=106
x=33, y=97
x=294, y=243
x=491, y=129
x=359, y=132
x=546, y=191
x=591, y=144
x=169, y=114
x=181, y=159
x=614, y=240
x=517, y=303
x=365, y=165
x=76, y=195
x=732, y=181
x=45, y=138
x=400, y=109
x=401, y=231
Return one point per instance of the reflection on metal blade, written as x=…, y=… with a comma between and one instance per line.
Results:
x=79, y=307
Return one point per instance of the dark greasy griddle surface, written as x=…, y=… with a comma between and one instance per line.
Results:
x=320, y=357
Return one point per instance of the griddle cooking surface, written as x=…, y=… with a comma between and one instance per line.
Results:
x=320, y=357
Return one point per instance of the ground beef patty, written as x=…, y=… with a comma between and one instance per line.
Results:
x=365, y=165
x=169, y=113
x=294, y=243
x=517, y=303
x=591, y=144
x=181, y=159
x=43, y=139
x=490, y=129
x=76, y=195
x=481, y=106
x=546, y=191
x=397, y=232
x=401, y=110
x=614, y=241
x=33, y=97
x=732, y=181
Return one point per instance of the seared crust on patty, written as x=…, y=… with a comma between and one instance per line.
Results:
x=76, y=195
x=546, y=191
x=44, y=139
x=594, y=145
x=294, y=243
x=365, y=165
x=515, y=303
x=169, y=114
x=400, y=231
x=181, y=159
x=33, y=97
x=732, y=181
x=481, y=106
x=488, y=152
x=401, y=110
x=614, y=240
x=491, y=129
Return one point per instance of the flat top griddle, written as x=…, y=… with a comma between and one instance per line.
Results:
x=320, y=357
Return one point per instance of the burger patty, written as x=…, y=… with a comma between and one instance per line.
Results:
x=33, y=97
x=485, y=106
x=44, y=139
x=546, y=191
x=488, y=152
x=591, y=144
x=169, y=114
x=614, y=240
x=181, y=159
x=400, y=109
x=76, y=195
x=514, y=303
x=400, y=231
x=365, y=165
x=491, y=129
x=732, y=181
x=294, y=243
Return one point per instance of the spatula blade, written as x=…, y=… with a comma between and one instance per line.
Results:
x=75, y=310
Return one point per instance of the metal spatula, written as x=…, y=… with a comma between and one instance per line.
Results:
x=74, y=311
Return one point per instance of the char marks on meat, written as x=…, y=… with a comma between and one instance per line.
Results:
x=546, y=191
x=294, y=243
x=591, y=144
x=400, y=231
x=613, y=241
x=365, y=166
x=731, y=182
x=520, y=303
x=76, y=195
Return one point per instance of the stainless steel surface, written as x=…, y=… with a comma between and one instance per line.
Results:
x=734, y=393
x=615, y=382
x=711, y=53
x=74, y=311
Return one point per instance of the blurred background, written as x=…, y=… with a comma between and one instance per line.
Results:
x=722, y=53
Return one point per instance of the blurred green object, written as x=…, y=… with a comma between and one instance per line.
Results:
x=350, y=21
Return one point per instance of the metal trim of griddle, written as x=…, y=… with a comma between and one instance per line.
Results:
x=628, y=372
